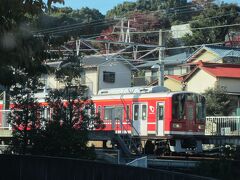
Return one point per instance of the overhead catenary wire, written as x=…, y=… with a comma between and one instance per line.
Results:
x=85, y=23
x=67, y=28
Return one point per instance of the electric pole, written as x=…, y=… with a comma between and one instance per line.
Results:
x=161, y=58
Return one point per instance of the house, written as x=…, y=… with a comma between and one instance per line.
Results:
x=100, y=72
x=173, y=82
x=172, y=66
x=215, y=54
x=210, y=75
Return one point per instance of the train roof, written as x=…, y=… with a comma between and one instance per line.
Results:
x=136, y=94
x=133, y=90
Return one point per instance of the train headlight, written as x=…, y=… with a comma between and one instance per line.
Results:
x=200, y=126
x=176, y=125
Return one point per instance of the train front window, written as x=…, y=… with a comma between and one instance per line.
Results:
x=201, y=109
x=178, y=108
x=188, y=106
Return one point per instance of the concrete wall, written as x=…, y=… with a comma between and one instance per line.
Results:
x=91, y=81
x=232, y=85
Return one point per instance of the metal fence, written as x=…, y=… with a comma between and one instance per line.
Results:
x=223, y=125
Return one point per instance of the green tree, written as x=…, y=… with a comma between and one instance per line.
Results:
x=50, y=2
x=217, y=102
x=19, y=50
x=225, y=14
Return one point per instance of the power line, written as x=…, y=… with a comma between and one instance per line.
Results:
x=62, y=29
x=76, y=25
x=201, y=28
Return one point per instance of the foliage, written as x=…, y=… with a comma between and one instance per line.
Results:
x=25, y=115
x=49, y=3
x=19, y=50
x=65, y=23
x=172, y=9
x=217, y=102
x=63, y=141
x=224, y=15
x=63, y=133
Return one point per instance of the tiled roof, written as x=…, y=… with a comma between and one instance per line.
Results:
x=93, y=61
x=221, y=51
x=217, y=70
x=175, y=77
x=228, y=72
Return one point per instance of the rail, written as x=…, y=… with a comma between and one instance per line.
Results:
x=223, y=125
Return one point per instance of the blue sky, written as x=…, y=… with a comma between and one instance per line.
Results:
x=104, y=5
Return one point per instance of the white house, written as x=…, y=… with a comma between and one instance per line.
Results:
x=100, y=72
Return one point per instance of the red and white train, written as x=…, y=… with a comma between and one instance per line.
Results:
x=153, y=113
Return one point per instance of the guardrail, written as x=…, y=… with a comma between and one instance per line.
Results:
x=223, y=125
x=139, y=162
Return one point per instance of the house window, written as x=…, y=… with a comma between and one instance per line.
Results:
x=108, y=76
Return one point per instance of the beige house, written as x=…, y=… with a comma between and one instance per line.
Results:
x=210, y=75
x=173, y=82
x=215, y=54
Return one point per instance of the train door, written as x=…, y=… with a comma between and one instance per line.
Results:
x=109, y=115
x=139, y=119
x=190, y=115
x=160, y=119
x=114, y=114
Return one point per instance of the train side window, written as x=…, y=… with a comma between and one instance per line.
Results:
x=118, y=113
x=160, y=112
x=135, y=112
x=144, y=112
x=127, y=112
x=99, y=110
x=108, y=112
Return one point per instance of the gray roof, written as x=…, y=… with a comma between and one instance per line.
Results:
x=169, y=60
x=221, y=51
x=94, y=61
x=91, y=61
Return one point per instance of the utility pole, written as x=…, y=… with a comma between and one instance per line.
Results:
x=124, y=35
x=161, y=58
